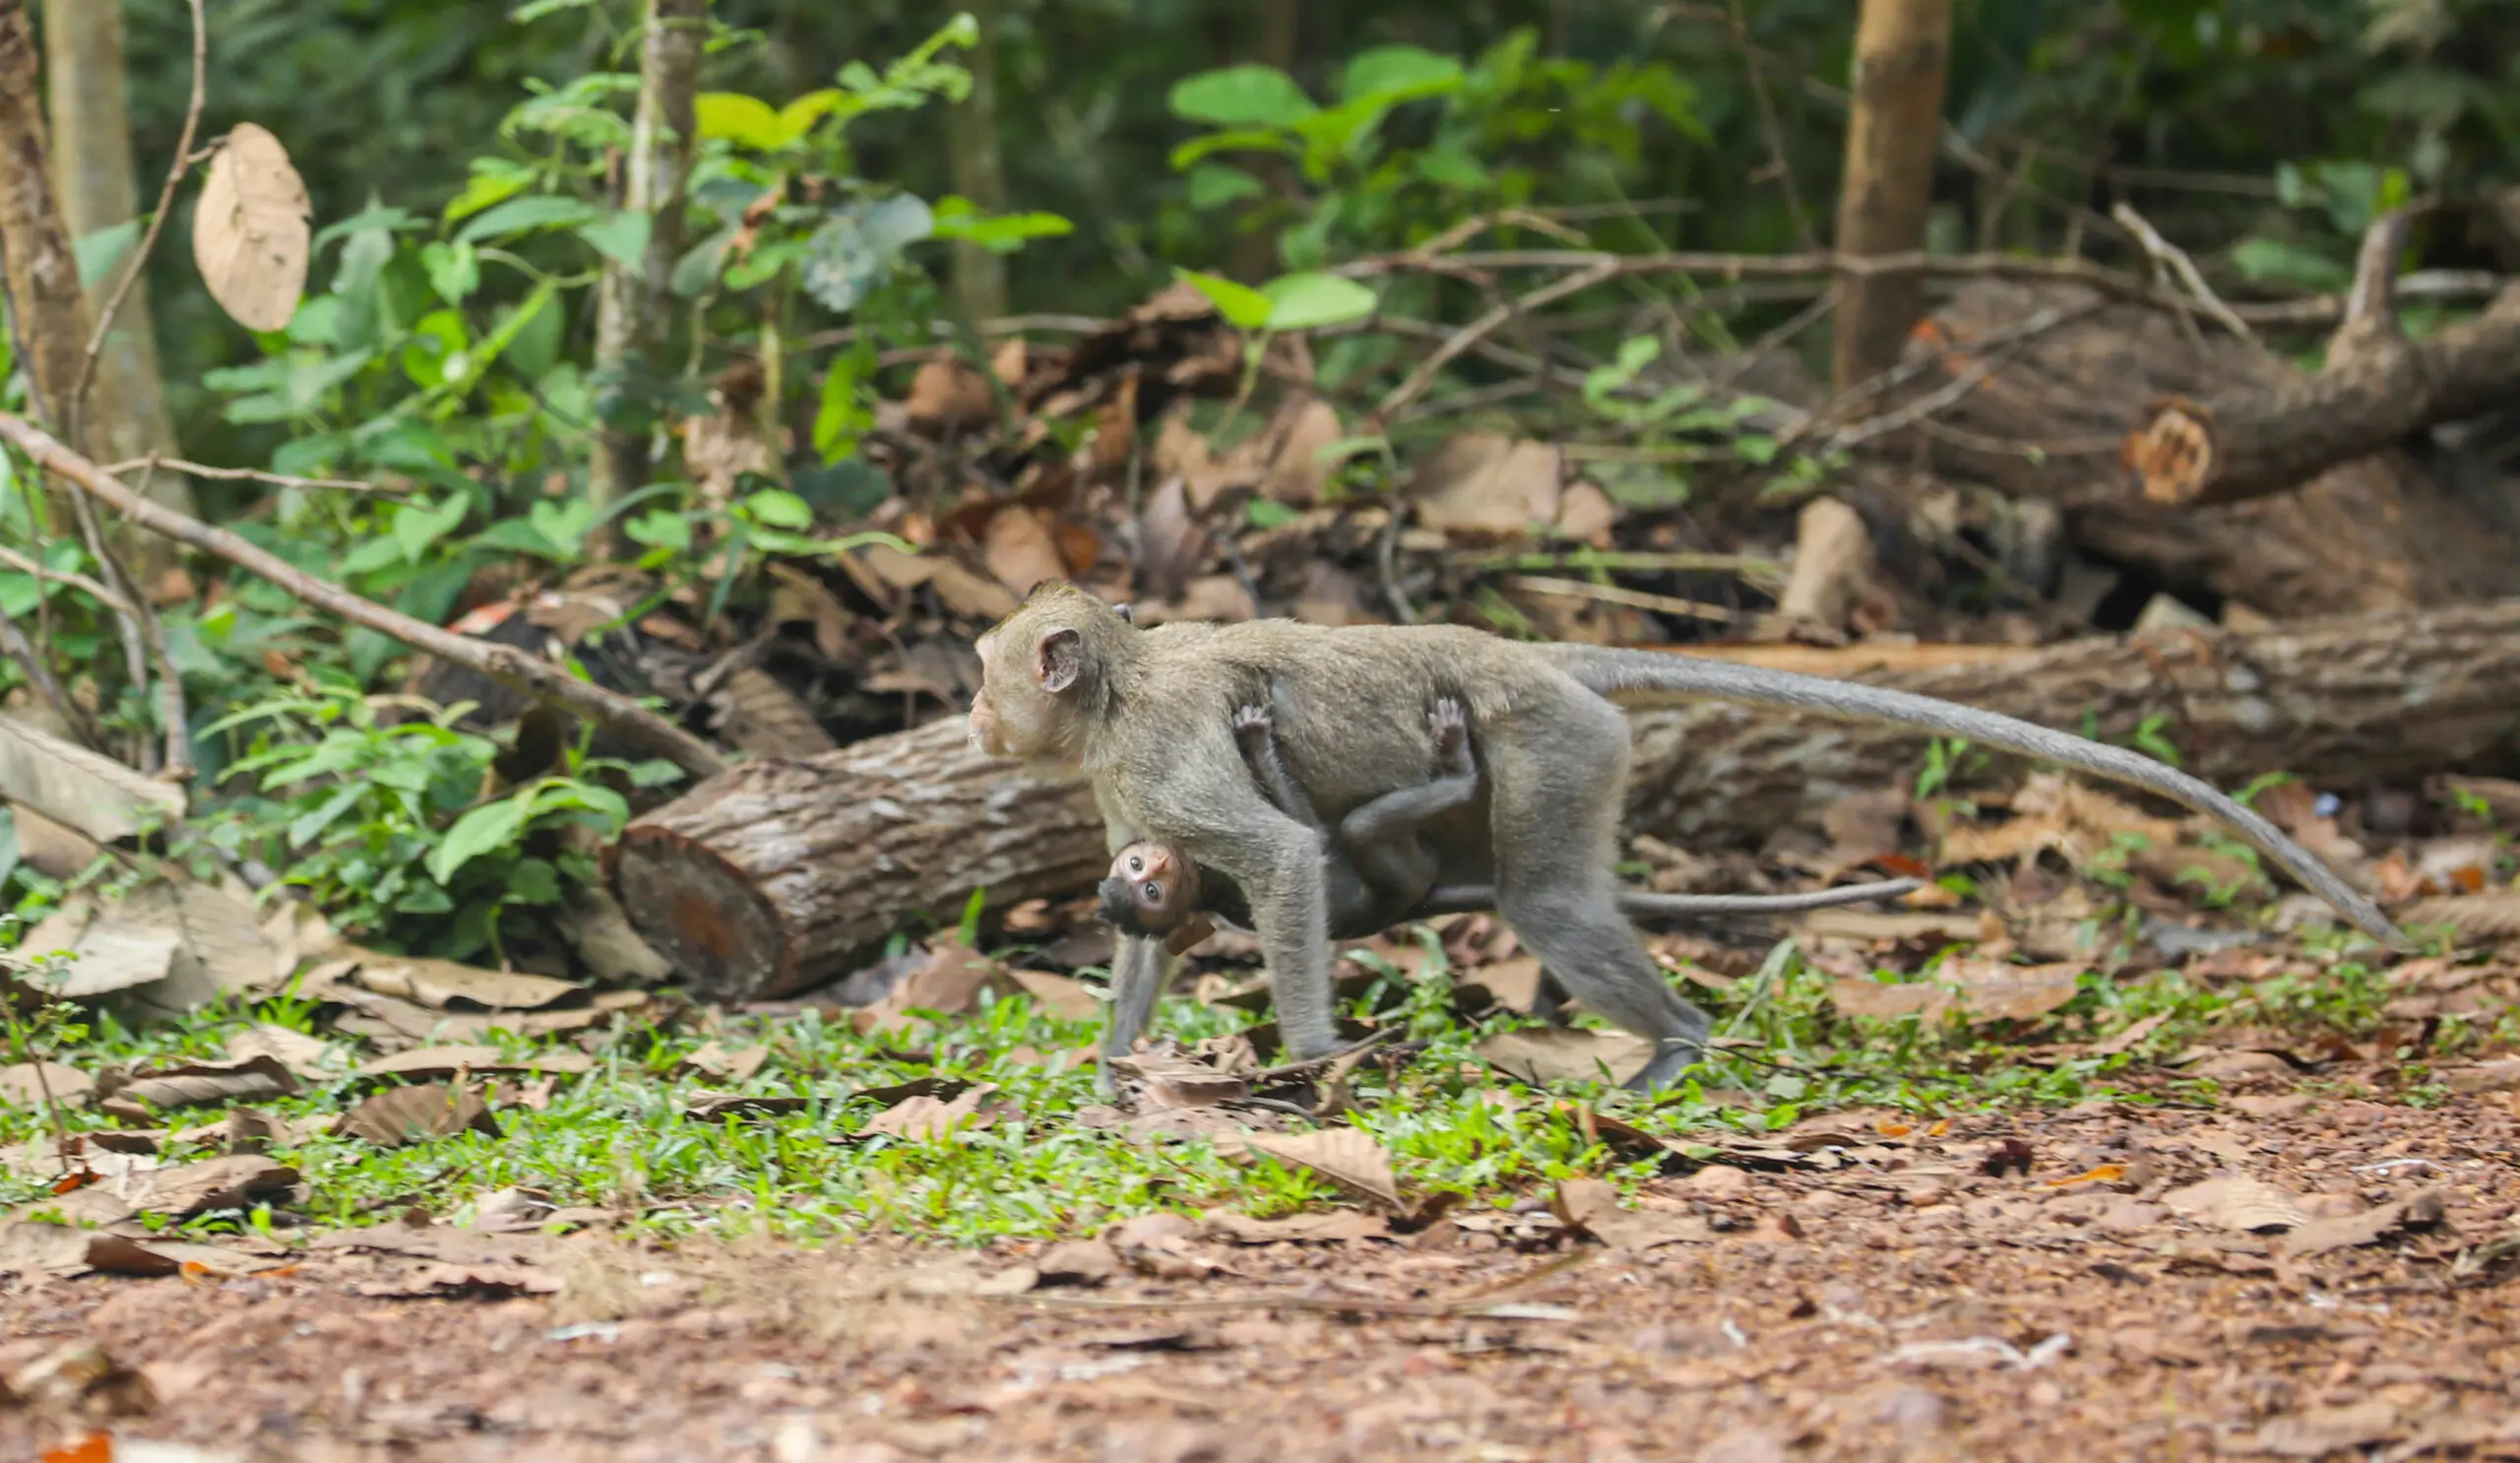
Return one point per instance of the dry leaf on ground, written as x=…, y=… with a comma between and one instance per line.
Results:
x=2237, y=1201
x=452, y=1059
x=1590, y=1205
x=1315, y=1228
x=230, y=1183
x=294, y=1050
x=429, y=1109
x=1543, y=1055
x=1067, y=999
x=443, y=985
x=1488, y=483
x=2319, y=1235
x=726, y=1064
x=81, y=790
x=198, y=1083
x=20, y=1083
x=1346, y=1156
x=920, y=1119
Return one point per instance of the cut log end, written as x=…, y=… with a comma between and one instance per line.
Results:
x=701, y=913
x=2173, y=454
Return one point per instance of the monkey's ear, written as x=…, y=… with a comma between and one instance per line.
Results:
x=1128, y=615
x=1062, y=654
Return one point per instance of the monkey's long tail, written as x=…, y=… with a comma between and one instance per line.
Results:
x=1651, y=678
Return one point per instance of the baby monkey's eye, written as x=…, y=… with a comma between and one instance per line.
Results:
x=1137, y=863
x=1152, y=891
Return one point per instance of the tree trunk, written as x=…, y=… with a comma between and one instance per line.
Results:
x=773, y=876
x=1278, y=41
x=1893, y=129
x=2273, y=437
x=2049, y=422
x=980, y=173
x=631, y=303
x=125, y=414
x=45, y=307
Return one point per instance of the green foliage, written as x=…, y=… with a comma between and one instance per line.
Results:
x=386, y=827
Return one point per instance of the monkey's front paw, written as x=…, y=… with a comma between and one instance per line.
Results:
x=1449, y=721
x=1250, y=719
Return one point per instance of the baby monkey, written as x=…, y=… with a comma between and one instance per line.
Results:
x=1377, y=869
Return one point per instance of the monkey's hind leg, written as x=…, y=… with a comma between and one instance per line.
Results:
x=1555, y=824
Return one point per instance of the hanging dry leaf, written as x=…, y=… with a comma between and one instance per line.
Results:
x=1346, y=1156
x=196, y=1084
x=1020, y=549
x=2237, y=1201
x=250, y=230
x=1543, y=1055
x=407, y=1115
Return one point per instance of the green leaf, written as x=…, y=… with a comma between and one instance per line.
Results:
x=483, y=830
x=621, y=239
x=1393, y=74
x=856, y=248
x=376, y=218
x=493, y=180
x=564, y=522
x=525, y=216
x=2284, y=263
x=1243, y=308
x=661, y=528
x=798, y=117
x=746, y=122
x=1308, y=301
x=957, y=218
x=1213, y=185
x=1198, y=148
x=416, y=527
x=1450, y=168
x=97, y=253
x=309, y=826
x=1249, y=95
x=841, y=418
x=454, y=270
x=780, y=508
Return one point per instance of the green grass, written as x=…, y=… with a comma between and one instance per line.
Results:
x=616, y=1137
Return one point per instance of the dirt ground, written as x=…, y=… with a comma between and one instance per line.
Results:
x=2292, y=1276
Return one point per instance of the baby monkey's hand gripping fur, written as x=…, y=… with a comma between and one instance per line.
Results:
x=1068, y=683
x=1376, y=870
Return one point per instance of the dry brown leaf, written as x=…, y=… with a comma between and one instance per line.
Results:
x=1884, y=1000
x=407, y=1115
x=2237, y=1201
x=948, y=396
x=2323, y=1432
x=2319, y=1235
x=970, y=595
x=1294, y=442
x=1994, y=990
x=1346, y=1156
x=444, y=1278
x=294, y=1050
x=1512, y=983
x=726, y=1064
x=1590, y=1205
x=448, y=1060
x=1171, y=545
x=1541, y=1056
x=233, y=1181
x=2127, y=1039
x=921, y=1118
x=447, y=984
x=1322, y=1226
x=81, y=790
x=250, y=230
x=20, y=1083
x=1078, y=1262
x=2473, y=918
x=1067, y=999
x=1587, y=515
x=196, y=1084
x=709, y=1106
x=1487, y=484
x=1020, y=549
x=1956, y=925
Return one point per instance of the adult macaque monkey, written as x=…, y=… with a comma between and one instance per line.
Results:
x=1377, y=869
x=1146, y=714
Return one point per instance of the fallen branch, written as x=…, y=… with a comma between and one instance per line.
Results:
x=157, y=460
x=505, y=665
x=2275, y=439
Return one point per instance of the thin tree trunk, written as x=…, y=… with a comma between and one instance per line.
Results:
x=631, y=303
x=980, y=173
x=1893, y=129
x=1278, y=44
x=126, y=407
x=45, y=306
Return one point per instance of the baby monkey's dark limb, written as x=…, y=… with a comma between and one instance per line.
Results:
x=1463, y=899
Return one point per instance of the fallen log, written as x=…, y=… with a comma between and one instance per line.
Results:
x=777, y=875
x=2371, y=531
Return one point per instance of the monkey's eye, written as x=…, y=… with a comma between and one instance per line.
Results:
x=1137, y=863
x=1151, y=892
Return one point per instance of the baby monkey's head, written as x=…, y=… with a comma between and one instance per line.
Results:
x=1152, y=888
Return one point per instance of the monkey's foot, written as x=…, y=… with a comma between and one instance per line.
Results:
x=1675, y=1057
x=1450, y=723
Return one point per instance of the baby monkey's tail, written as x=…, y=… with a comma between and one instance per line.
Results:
x=1651, y=678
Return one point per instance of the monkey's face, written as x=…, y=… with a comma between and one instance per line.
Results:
x=1151, y=889
x=1031, y=664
